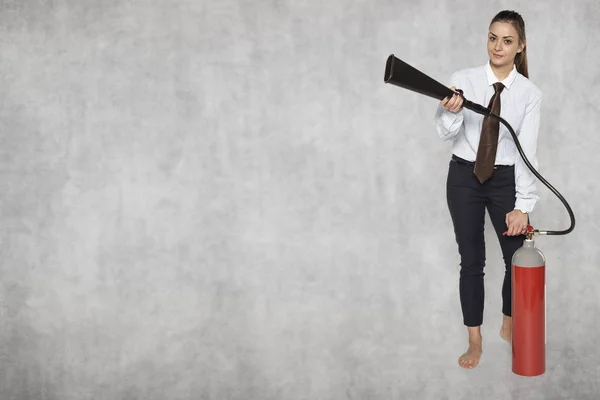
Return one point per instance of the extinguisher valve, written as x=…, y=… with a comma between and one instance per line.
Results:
x=530, y=232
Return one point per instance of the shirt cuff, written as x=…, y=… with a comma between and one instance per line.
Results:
x=448, y=123
x=526, y=205
x=451, y=119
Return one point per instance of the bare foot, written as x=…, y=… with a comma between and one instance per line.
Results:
x=470, y=359
x=506, y=330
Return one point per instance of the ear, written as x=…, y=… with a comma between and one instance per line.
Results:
x=521, y=46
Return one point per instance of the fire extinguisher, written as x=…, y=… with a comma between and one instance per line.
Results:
x=529, y=309
x=528, y=262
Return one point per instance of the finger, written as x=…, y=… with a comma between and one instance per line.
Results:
x=459, y=102
x=456, y=106
x=517, y=229
x=451, y=101
x=456, y=103
x=446, y=99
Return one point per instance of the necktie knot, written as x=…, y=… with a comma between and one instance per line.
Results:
x=498, y=87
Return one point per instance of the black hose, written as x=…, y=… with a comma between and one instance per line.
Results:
x=401, y=74
x=485, y=111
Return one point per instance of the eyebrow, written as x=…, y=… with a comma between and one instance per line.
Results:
x=505, y=37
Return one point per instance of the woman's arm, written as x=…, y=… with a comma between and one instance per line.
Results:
x=525, y=181
x=448, y=123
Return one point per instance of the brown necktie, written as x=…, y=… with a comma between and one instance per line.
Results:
x=488, y=142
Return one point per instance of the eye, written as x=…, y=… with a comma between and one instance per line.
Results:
x=508, y=41
x=492, y=38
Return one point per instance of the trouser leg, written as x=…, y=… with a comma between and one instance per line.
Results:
x=466, y=204
x=500, y=193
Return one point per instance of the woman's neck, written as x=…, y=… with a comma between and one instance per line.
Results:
x=501, y=72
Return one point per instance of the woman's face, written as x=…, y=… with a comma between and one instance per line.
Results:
x=503, y=44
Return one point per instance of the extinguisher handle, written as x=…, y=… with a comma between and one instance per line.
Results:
x=529, y=229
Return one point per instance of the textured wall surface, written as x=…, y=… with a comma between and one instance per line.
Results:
x=223, y=200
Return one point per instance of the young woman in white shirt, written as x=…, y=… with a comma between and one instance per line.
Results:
x=509, y=194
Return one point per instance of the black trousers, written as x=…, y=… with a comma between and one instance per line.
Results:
x=467, y=201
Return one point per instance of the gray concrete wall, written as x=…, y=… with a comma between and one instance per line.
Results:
x=222, y=200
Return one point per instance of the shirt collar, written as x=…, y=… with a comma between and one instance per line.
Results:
x=491, y=78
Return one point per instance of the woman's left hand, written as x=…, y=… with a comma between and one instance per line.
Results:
x=516, y=222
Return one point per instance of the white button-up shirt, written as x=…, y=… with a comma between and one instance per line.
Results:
x=520, y=104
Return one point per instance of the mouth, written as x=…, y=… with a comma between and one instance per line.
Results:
x=497, y=55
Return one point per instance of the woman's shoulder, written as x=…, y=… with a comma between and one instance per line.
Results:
x=528, y=86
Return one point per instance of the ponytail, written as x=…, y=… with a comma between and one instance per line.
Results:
x=521, y=63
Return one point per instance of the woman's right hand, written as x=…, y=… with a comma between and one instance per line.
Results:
x=454, y=103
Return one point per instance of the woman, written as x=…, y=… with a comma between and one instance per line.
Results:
x=486, y=170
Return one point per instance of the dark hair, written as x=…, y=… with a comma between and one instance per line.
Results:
x=517, y=21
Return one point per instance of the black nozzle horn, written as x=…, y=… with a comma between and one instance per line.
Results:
x=399, y=73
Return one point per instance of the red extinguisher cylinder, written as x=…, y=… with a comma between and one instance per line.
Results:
x=528, y=310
